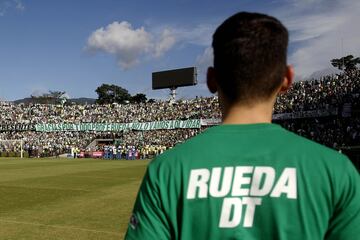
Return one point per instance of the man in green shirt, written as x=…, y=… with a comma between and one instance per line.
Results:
x=248, y=178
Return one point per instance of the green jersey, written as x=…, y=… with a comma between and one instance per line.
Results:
x=248, y=181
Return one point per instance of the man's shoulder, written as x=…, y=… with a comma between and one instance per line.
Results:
x=313, y=153
x=306, y=145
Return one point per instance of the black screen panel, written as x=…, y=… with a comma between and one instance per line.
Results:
x=174, y=78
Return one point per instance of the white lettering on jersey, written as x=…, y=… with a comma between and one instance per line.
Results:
x=198, y=181
x=251, y=203
x=242, y=186
x=286, y=184
x=227, y=177
x=239, y=180
x=230, y=205
x=265, y=174
x=232, y=211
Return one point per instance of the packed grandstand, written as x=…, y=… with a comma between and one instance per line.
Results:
x=326, y=110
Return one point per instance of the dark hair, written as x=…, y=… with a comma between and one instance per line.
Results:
x=250, y=56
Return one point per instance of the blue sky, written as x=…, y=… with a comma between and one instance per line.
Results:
x=75, y=46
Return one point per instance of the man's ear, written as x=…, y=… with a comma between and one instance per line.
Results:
x=211, y=80
x=288, y=79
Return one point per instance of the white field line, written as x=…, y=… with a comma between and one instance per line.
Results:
x=61, y=227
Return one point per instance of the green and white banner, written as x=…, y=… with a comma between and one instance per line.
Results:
x=117, y=127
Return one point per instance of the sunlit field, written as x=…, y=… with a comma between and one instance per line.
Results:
x=67, y=198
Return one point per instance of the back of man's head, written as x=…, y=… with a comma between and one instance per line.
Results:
x=249, y=57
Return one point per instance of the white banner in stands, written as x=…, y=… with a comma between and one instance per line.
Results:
x=116, y=127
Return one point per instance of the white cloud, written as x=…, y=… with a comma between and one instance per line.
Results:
x=166, y=41
x=198, y=35
x=314, y=26
x=129, y=45
x=121, y=40
x=5, y=6
x=321, y=32
x=19, y=5
x=205, y=60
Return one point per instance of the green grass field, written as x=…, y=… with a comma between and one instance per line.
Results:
x=67, y=198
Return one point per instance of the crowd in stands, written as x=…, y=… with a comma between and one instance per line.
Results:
x=334, y=91
x=109, y=113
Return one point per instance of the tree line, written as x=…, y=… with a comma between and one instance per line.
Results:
x=347, y=63
x=107, y=94
x=110, y=93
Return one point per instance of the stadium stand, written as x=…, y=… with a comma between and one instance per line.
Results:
x=326, y=110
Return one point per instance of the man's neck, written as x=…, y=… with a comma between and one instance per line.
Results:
x=244, y=114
